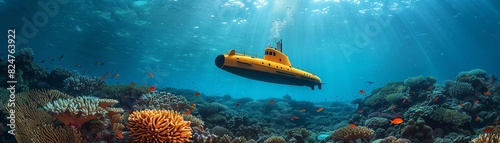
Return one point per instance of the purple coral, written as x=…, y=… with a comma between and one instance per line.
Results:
x=82, y=85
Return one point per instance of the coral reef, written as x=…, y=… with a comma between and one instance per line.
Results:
x=418, y=131
x=458, y=89
x=82, y=85
x=450, y=116
x=351, y=134
x=487, y=138
x=378, y=96
x=159, y=126
x=74, y=112
x=162, y=101
x=275, y=139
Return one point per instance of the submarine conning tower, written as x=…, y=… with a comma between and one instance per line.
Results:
x=275, y=54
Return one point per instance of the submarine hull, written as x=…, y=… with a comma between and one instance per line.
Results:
x=250, y=68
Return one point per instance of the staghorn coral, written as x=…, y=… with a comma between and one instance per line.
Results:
x=487, y=138
x=34, y=124
x=450, y=116
x=275, y=139
x=162, y=101
x=351, y=134
x=77, y=111
x=159, y=126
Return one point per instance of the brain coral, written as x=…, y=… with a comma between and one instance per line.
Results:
x=351, y=134
x=159, y=126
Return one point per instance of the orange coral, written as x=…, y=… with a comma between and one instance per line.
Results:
x=159, y=126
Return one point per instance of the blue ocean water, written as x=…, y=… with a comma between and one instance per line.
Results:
x=345, y=42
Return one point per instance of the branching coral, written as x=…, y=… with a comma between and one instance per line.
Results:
x=83, y=85
x=350, y=134
x=159, y=126
x=77, y=111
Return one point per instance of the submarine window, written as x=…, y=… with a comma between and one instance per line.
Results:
x=266, y=52
x=262, y=62
x=281, y=67
x=280, y=59
x=274, y=53
x=276, y=66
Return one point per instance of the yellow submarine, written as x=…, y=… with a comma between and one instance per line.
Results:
x=274, y=68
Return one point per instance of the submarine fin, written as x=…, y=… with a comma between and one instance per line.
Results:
x=319, y=86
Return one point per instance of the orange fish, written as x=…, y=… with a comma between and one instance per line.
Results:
x=430, y=87
x=396, y=121
x=132, y=84
x=352, y=125
x=319, y=109
x=120, y=134
x=360, y=111
x=487, y=93
x=303, y=110
x=476, y=102
x=462, y=104
x=150, y=74
x=197, y=94
x=152, y=88
x=271, y=102
x=488, y=129
x=404, y=100
x=237, y=104
x=435, y=99
x=116, y=75
x=362, y=91
x=193, y=105
x=393, y=107
x=295, y=117
x=188, y=112
x=477, y=119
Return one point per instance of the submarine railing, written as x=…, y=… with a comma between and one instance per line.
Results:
x=244, y=53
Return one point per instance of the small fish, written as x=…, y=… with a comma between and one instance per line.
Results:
x=477, y=119
x=390, y=97
x=132, y=84
x=62, y=56
x=462, y=104
x=295, y=117
x=476, y=102
x=96, y=63
x=393, y=107
x=197, y=94
x=360, y=111
x=496, y=123
x=188, y=112
x=396, y=121
x=435, y=99
x=369, y=82
x=352, y=125
x=150, y=74
x=404, y=100
x=362, y=91
x=52, y=59
x=487, y=93
x=77, y=65
x=271, y=102
x=291, y=118
x=237, y=104
x=319, y=109
x=493, y=78
x=116, y=75
x=102, y=63
x=303, y=110
x=430, y=87
x=488, y=129
x=152, y=88
x=105, y=86
x=43, y=61
x=104, y=76
x=120, y=134
x=193, y=105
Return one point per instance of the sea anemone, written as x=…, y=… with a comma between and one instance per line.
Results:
x=349, y=134
x=159, y=126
